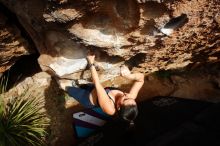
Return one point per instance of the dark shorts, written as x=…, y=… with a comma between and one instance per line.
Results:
x=81, y=94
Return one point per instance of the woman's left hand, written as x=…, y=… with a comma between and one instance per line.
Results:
x=91, y=58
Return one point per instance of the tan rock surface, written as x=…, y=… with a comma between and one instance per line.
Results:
x=124, y=30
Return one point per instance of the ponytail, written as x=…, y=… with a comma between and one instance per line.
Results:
x=128, y=114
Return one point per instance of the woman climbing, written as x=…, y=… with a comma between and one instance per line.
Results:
x=111, y=100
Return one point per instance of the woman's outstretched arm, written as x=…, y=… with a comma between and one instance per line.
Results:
x=104, y=101
x=138, y=80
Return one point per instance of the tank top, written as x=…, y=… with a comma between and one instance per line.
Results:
x=107, y=90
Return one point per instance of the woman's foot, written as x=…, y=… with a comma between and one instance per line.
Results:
x=63, y=83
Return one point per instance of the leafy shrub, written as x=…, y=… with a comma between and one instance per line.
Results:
x=3, y=85
x=22, y=121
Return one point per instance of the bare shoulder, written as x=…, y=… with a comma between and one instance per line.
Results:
x=114, y=92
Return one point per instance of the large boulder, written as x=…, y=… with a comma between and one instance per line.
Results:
x=120, y=32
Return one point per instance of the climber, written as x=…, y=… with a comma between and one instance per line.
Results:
x=111, y=100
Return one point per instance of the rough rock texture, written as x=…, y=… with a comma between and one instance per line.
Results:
x=12, y=44
x=125, y=31
x=119, y=32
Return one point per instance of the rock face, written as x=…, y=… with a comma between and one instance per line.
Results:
x=119, y=32
x=12, y=44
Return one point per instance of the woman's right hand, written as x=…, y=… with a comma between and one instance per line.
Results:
x=125, y=72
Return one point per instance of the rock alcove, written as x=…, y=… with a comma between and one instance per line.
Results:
x=59, y=33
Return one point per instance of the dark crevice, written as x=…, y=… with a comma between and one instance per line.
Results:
x=12, y=19
x=26, y=65
x=136, y=60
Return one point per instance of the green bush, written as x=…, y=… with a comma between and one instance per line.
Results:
x=23, y=121
x=3, y=85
